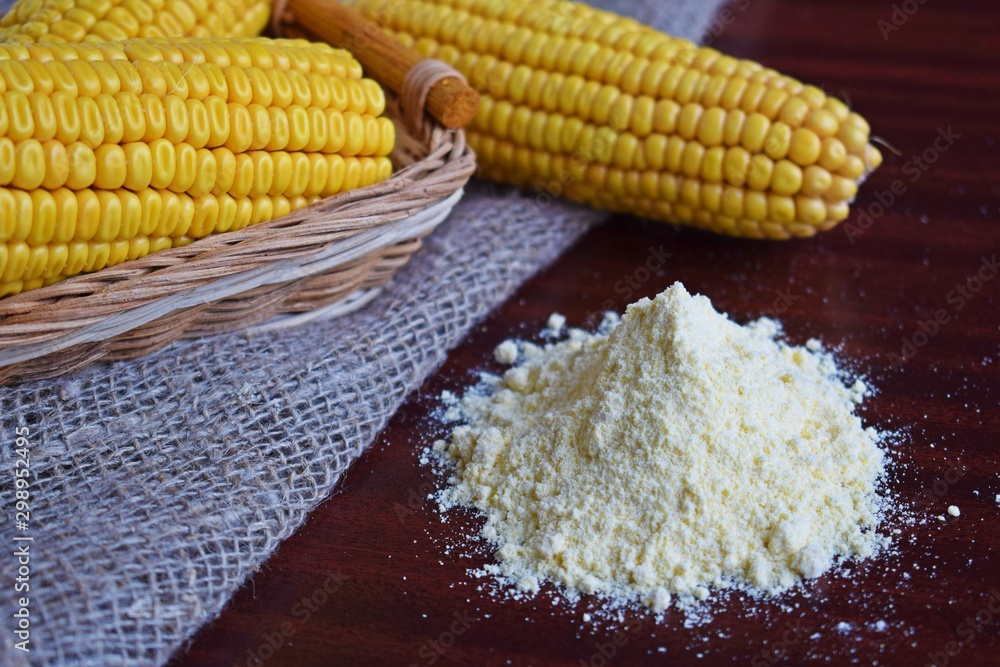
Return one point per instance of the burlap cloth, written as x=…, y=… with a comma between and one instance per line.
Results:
x=159, y=485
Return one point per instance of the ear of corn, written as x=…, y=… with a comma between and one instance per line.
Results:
x=31, y=21
x=111, y=151
x=606, y=111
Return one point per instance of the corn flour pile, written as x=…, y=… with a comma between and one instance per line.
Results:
x=679, y=453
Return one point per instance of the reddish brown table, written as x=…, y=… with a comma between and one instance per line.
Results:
x=396, y=597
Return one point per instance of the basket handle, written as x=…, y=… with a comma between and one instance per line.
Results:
x=421, y=83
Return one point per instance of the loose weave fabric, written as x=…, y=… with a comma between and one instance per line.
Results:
x=159, y=485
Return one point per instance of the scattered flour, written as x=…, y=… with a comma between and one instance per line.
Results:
x=555, y=323
x=506, y=352
x=665, y=455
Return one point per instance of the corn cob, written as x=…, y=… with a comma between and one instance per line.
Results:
x=606, y=111
x=114, y=20
x=111, y=151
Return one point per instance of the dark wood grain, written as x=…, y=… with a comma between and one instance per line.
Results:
x=403, y=588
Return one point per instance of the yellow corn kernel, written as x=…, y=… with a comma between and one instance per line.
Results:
x=301, y=172
x=280, y=131
x=228, y=210
x=156, y=118
x=44, y=115
x=263, y=209
x=206, y=173
x=91, y=122
x=841, y=189
x=43, y=220
x=150, y=210
x=241, y=129
x=110, y=223
x=353, y=173
x=217, y=114
x=263, y=173
x=244, y=211
x=243, y=176
x=7, y=161
x=319, y=175
x=58, y=255
x=823, y=122
x=82, y=162
x=185, y=170
x=138, y=248
x=737, y=166
x=199, y=123
x=816, y=181
x=337, y=173
x=131, y=215
x=805, y=148
x=112, y=118
x=139, y=162
x=88, y=215
x=185, y=216
x=810, y=210
x=781, y=209
x=169, y=219
x=778, y=141
x=787, y=178
x=298, y=127
x=13, y=265
x=16, y=77
x=761, y=173
x=57, y=165
x=282, y=206
x=281, y=88
x=176, y=119
x=29, y=165
x=283, y=173
x=854, y=168
x=112, y=167
x=206, y=216
x=8, y=211
x=20, y=120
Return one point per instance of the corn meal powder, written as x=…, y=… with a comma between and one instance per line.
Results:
x=680, y=452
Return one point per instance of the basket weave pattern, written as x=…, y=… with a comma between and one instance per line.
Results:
x=314, y=257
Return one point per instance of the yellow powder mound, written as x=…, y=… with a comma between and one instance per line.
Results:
x=679, y=453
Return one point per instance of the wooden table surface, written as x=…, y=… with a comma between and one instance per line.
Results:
x=388, y=580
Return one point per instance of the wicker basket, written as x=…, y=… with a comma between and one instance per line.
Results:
x=322, y=261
